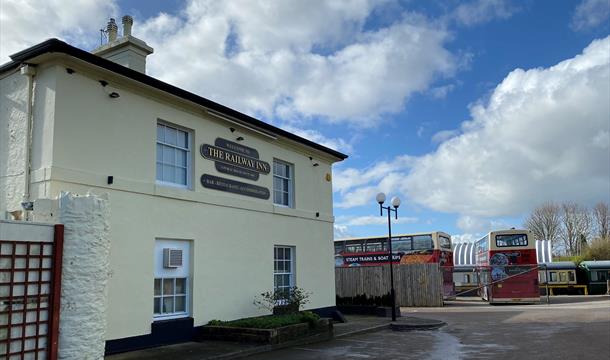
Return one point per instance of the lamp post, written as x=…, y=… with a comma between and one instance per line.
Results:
x=395, y=204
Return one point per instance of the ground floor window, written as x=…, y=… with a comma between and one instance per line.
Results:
x=283, y=268
x=170, y=296
x=172, y=278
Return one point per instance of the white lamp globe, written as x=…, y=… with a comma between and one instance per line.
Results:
x=395, y=202
x=380, y=198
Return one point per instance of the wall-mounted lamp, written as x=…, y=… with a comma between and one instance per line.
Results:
x=313, y=163
x=113, y=94
x=70, y=70
x=232, y=129
x=240, y=138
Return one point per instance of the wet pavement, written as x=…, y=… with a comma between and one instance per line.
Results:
x=572, y=327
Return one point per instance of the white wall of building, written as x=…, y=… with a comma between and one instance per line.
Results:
x=93, y=136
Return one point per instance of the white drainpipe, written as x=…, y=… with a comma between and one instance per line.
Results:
x=29, y=71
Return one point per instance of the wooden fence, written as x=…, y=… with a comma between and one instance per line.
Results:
x=415, y=284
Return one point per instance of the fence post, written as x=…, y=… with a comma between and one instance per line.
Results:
x=58, y=247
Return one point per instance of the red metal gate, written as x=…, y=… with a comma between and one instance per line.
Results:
x=30, y=283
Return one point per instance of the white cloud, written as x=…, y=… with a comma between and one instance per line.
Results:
x=298, y=60
x=317, y=137
x=481, y=11
x=590, y=13
x=373, y=220
x=343, y=224
x=474, y=224
x=530, y=143
x=341, y=232
x=542, y=135
x=441, y=92
x=24, y=23
x=465, y=238
x=443, y=135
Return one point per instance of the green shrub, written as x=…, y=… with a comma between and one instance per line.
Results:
x=271, y=321
x=288, y=301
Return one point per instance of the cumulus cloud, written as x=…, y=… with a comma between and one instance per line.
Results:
x=372, y=220
x=343, y=224
x=542, y=135
x=298, y=60
x=24, y=23
x=481, y=11
x=443, y=135
x=590, y=13
x=315, y=136
x=533, y=141
x=341, y=232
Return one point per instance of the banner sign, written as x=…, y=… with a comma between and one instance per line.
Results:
x=363, y=259
x=235, y=187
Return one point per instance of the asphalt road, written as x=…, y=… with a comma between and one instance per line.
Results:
x=572, y=327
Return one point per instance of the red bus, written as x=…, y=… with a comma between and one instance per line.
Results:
x=507, y=267
x=434, y=247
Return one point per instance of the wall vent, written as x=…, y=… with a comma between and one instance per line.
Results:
x=172, y=258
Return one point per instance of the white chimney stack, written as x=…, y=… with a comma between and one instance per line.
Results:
x=112, y=30
x=127, y=23
x=127, y=50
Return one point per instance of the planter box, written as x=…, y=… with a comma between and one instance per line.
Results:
x=267, y=336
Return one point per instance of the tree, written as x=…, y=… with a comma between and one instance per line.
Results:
x=545, y=223
x=575, y=226
x=601, y=217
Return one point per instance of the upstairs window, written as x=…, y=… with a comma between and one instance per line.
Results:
x=283, y=183
x=173, y=156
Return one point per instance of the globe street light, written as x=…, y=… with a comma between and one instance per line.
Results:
x=395, y=204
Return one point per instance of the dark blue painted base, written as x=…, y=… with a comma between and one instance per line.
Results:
x=181, y=330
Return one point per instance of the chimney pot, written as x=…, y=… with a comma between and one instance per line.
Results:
x=112, y=30
x=127, y=24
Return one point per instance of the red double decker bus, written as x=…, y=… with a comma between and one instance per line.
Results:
x=434, y=247
x=507, y=265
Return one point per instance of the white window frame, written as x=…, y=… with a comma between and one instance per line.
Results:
x=189, y=152
x=292, y=275
x=172, y=315
x=291, y=195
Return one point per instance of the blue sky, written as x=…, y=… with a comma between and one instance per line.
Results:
x=473, y=112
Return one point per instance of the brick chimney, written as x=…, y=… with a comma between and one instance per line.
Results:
x=127, y=50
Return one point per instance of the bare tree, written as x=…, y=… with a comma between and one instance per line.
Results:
x=545, y=223
x=576, y=227
x=602, y=220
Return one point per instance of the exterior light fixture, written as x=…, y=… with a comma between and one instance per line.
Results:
x=380, y=198
x=240, y=138
x=395, y=204
x=114, y=95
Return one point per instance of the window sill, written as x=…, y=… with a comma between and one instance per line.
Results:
x=173, y=185
x=170, y=317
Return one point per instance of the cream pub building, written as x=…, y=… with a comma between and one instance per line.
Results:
x=209, y=207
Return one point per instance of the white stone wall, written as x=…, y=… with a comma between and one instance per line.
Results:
x=82, y=327
x=13, y=120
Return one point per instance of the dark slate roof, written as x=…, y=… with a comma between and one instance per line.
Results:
x=58, y=46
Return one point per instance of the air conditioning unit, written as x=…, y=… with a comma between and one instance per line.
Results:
x=172, y=258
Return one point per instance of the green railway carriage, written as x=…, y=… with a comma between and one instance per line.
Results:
x=597, y=272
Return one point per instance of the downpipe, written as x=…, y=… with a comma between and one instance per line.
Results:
x=29, y=71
